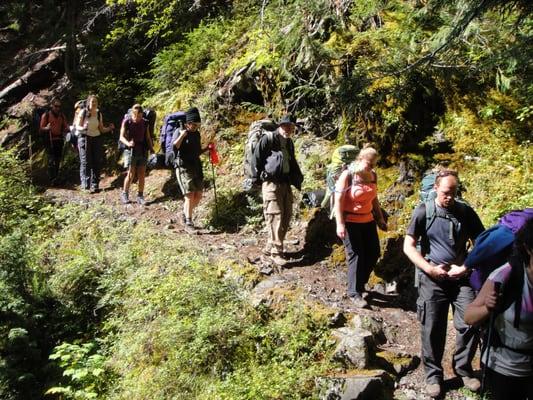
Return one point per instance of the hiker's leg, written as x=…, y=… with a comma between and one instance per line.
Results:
x=466, y=337
x=286, y=201
x=272, y=213
x=129, y=178
x=98, y=156
x=432, y=312
x=353, y=248
x=56, y=153
x=141, y=173
x=369, y=252
x=82, y=149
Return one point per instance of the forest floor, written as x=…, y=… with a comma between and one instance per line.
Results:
x=316, y=278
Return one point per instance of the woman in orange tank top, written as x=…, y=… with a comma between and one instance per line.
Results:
x=356, y=203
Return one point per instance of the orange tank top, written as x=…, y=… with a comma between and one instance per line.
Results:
x=357, y=204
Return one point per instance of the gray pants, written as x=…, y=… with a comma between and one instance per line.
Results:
x=91, y=157
x=434, y=299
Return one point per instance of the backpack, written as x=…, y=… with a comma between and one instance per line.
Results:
x=256, y=131
x=171, y=122
x=149, y=117
x=493, y=246
x=341, y=157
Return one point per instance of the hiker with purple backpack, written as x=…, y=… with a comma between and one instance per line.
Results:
x=506, y=299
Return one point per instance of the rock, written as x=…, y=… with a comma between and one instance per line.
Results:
x=266, y=270
x=337, y=320
x=353, y=347
x=397, y=362
x=376, y=385
x=371, y=324
x=249, y=242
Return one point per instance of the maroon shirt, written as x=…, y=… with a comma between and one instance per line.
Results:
x=136, y=131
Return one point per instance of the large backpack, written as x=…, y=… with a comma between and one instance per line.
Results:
x=171, y=122
x=341, y=157
x=149, y=117
x=493, y=246
x=256, y=131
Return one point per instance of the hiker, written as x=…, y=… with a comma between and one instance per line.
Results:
x=189, y=172
x=53, y=125
x=355, y=204
x=135, y=135
x=444, y=280
x=509, y=367
x=90, y=126
x=274, y=164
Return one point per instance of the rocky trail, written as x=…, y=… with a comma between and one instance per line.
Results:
x=394, y=331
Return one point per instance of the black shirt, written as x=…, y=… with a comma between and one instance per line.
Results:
x=190, y=148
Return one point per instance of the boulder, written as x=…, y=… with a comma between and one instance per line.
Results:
x=373, y=385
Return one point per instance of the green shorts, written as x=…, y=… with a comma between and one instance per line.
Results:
x=190, y=178
x=134, y=159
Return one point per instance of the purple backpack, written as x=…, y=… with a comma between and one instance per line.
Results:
x=171, y=122
x=514, y=220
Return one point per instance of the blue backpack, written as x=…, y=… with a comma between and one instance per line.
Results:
x=171, y=122
x=493, y=246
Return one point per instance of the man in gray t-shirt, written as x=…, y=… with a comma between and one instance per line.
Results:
x=443, y=280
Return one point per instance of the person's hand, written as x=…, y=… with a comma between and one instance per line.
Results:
x=439, y=272
x=131, y=143
x=48, y=126
x=183, y=132
x=341, y=230
x=457, y=271
x=111, y=126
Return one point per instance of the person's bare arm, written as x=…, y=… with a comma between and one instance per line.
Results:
x=485, y=302
x=339, y=193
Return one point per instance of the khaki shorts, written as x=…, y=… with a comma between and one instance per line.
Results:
x=190, y=178
x=134, y=159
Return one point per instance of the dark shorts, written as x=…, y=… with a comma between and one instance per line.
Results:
x=190, y=177
x=134, y=159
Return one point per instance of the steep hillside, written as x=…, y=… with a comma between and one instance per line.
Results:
x=103, y=301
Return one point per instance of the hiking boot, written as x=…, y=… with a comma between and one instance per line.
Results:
x=357, y=301
x=140, y=200
x=92, y=190
x=188, y=223
x=267, y=250
x=433, y=389
x=124, y=198
x=471, y=383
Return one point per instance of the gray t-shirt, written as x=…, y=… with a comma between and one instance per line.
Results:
x=445, y=242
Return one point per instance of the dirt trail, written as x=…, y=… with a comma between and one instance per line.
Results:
x=318, y=281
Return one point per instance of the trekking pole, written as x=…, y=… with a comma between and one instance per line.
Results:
x=497, y=287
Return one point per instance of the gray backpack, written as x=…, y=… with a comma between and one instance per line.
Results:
x=256, y=131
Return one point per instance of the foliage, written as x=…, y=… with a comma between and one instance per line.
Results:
x=84, y=370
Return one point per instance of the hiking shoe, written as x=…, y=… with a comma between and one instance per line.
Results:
x=124, y=198
x=140, y=200
x=471, y=383
x=188, y=223
x=357, y=301
x=267, y=250
x=433, y=389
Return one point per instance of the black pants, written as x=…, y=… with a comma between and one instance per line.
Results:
x=91, y=157
x=501, y=387
x=361, y=246
x=434, y=300
x=54, y=152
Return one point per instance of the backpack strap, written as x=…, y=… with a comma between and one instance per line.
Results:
x=431, y=213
